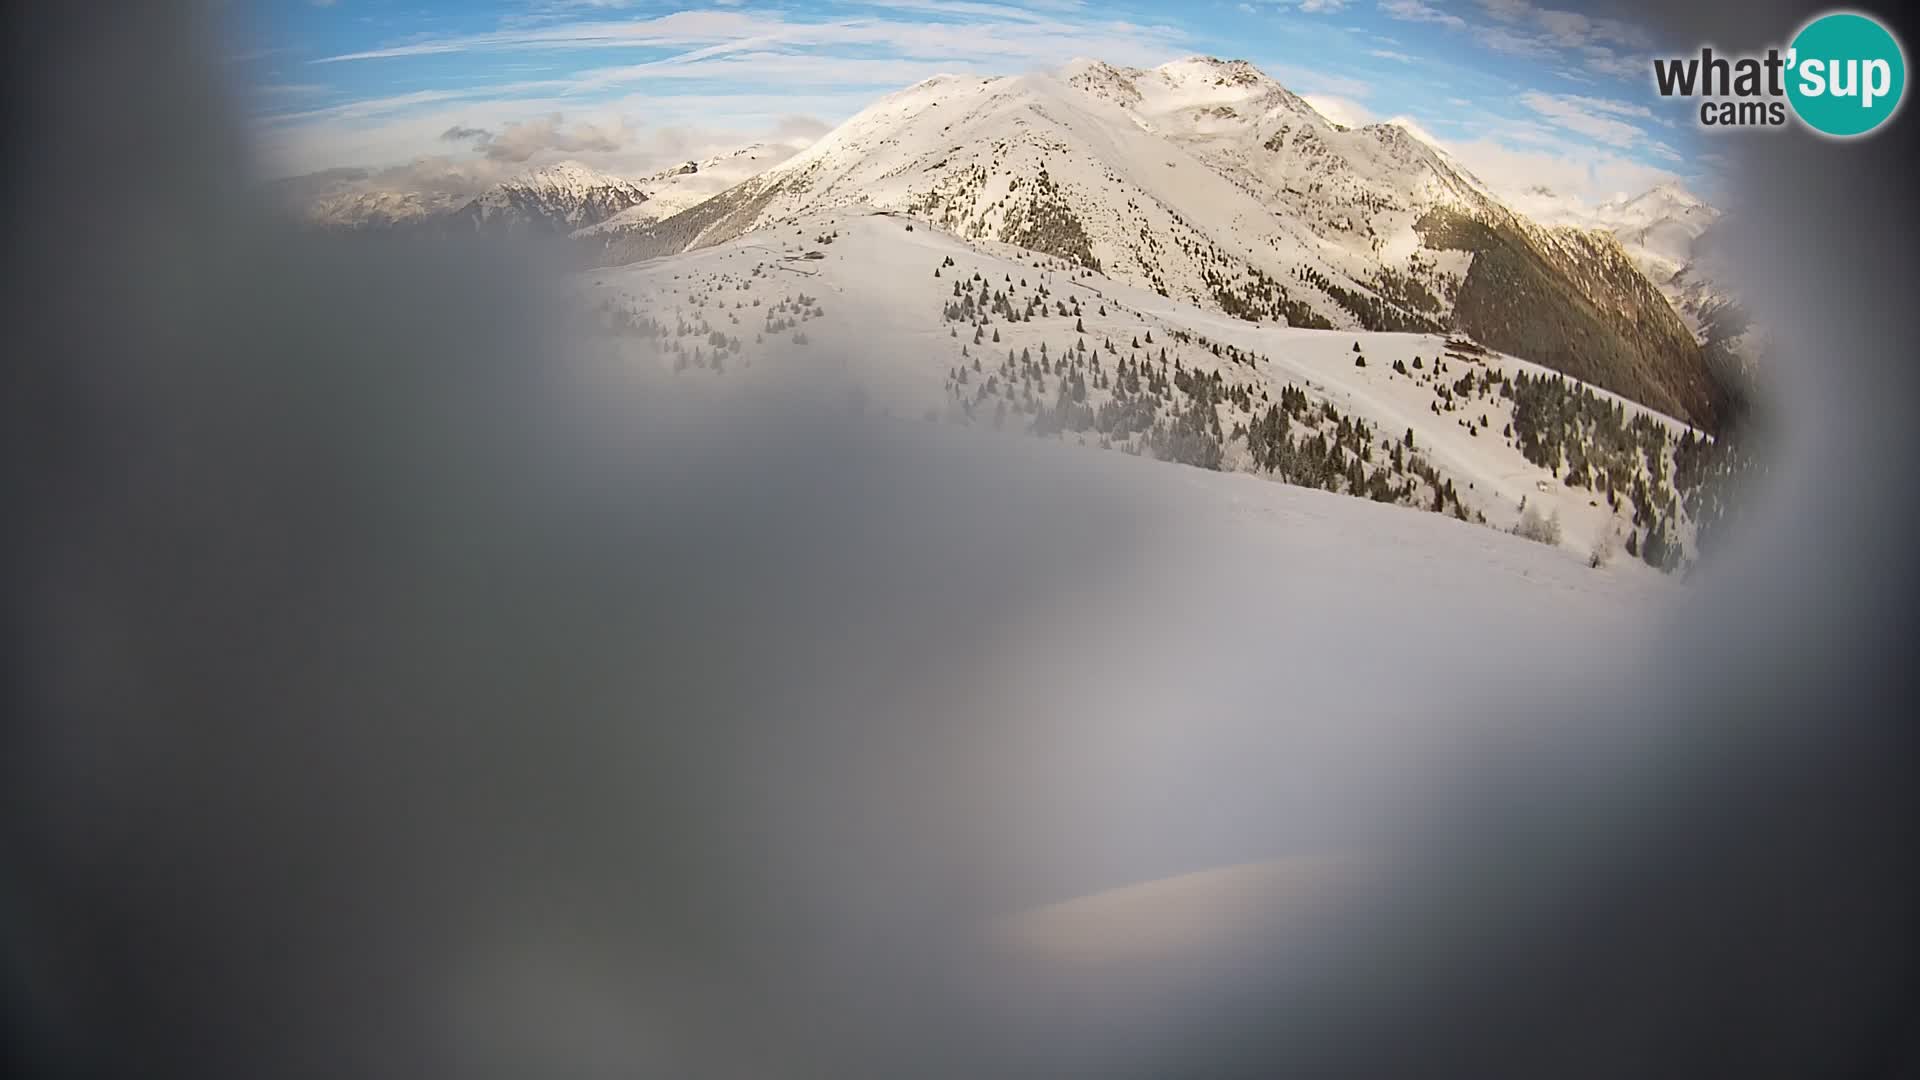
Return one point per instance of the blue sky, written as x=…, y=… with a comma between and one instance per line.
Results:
x=1522, y=93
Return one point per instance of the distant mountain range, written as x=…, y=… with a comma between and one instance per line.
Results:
x=561, y=198
x=1673, y=237
x=379, y=210
x=554, y=199
x=1663, y=229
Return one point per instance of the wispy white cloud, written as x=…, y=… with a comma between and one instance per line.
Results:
x=794, y=70
x=1389, y=54
x=993, y=31
x=1308, y=7
x=1506, y=10
x=1502, y=40
x=1605, y=61
x=522, y=140
x=1569, y=28
x=1417, y=11
x=681, y=29
x=637, y=134
x=1413, y=127
x=1594, y=118
x=1588, y=45
x=1593, y=40
x=1609, y=105
x=1513, y=156
x=1340, y=110
x=1312, y=80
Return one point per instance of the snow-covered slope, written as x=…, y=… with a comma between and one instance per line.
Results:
x=1359, y=189
x=683, y=186
x=926, y=325
x=1210, y=184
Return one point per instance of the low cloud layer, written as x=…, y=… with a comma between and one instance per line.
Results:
x=519, y=142
x=479, y=157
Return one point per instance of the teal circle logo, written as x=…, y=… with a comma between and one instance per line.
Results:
x=1846, y=74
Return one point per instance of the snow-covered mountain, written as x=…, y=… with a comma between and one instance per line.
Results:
x=375, y=210
x=1208, y=182
x=1673, y=236
x=558, y=198
x=1667, y=230
x=551, y=199
x=683, y=186
x=1659, y=227
x=1188, y=178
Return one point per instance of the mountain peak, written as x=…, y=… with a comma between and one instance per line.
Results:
x=559, y=197
x=565, y=176
x=1202, y=59
x=1209, y=183
x=1674, y=192
x=1227, y=71
x=1665, y=198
